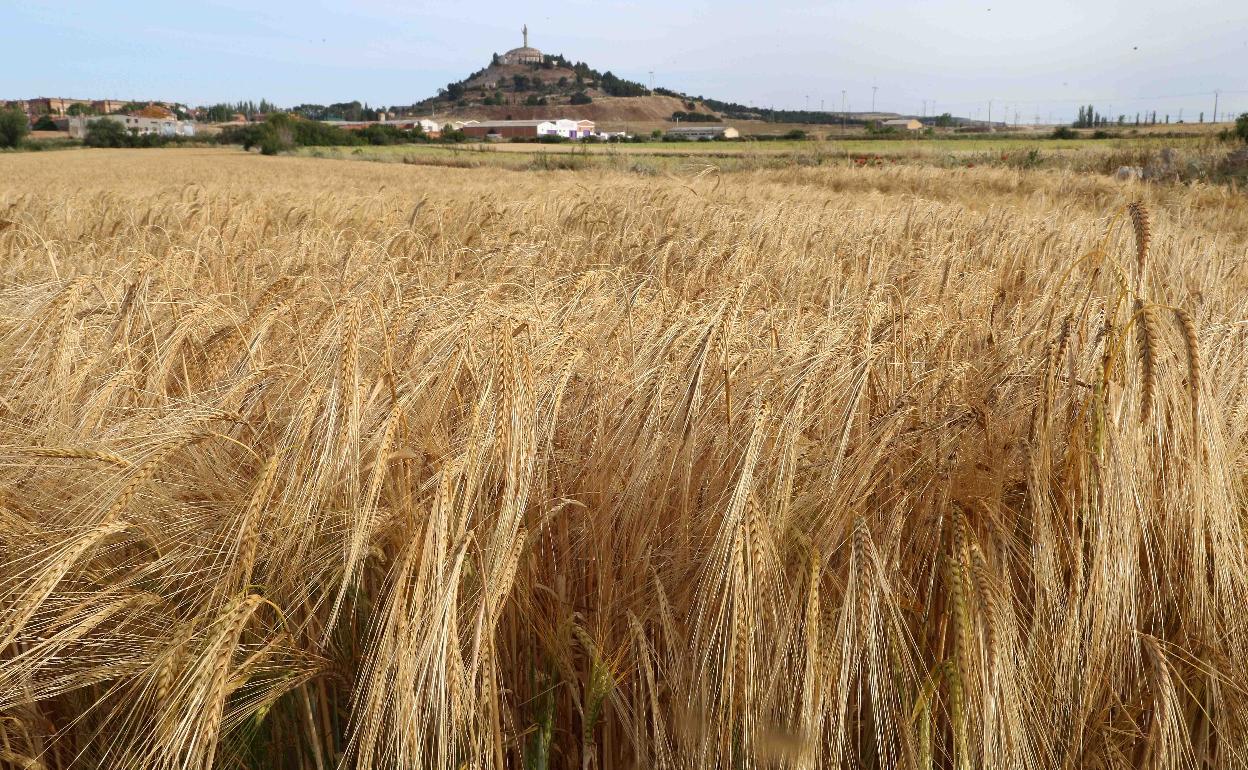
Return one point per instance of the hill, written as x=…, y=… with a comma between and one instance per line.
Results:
x=525, y=83
x=529, y=89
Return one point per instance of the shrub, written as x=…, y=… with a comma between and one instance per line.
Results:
x=271, y=144
x=1241, y=127
x=248, y=136
x=580, y=97
x=13, y=127
x=1063, y=132
x=696, y=117
x=379, y=134
x=104, y=132
x=44, y=123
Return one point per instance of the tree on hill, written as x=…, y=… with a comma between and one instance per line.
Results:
x=580, y=97
x=615, y=86
x=13, y=127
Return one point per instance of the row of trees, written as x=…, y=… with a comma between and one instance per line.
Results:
x=742, y=112
x=282, y=131
x=353, y=110
x=225, y=111
x=1089, y=118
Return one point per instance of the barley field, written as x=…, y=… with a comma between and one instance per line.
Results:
x=309, y=464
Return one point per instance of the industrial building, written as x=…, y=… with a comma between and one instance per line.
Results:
x=704, y=132
x=909, y=124
x=530, y=129
x=431, y=128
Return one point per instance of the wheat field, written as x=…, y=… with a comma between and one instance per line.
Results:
x=308, y=464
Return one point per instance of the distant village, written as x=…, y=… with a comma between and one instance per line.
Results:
x=167, y=119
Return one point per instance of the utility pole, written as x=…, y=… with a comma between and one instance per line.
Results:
x=842, y=110
x=990, y=114
x=808, y=102
x=873, y=90
x=651, y=80
x=1215, y=105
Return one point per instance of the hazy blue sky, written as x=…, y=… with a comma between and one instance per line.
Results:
x=1036, y=57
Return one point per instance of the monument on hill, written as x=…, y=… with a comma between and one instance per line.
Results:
x=524, y=54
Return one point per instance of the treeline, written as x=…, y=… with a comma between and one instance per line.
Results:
x=224, y=111
x=769, y=115
x=693, y=117
x=614, y=86
x=353, y=111
x=1089, y=118
x=281, y=132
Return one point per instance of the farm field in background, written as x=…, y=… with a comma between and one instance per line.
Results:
x=1085, y=155
x=713, y=461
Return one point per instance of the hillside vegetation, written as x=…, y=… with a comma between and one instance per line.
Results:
x=556, y=86
x=311, y=464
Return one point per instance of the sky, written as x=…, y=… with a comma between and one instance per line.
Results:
x=1037, y=58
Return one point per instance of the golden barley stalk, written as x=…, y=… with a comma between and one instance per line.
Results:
x=1142, y=222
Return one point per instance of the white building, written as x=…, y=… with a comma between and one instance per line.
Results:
x=135, y=125
x=530, y=129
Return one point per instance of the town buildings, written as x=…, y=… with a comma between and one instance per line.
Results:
x=136, y=124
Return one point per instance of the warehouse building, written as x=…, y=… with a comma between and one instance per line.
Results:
x=704, y=132
x=530, y=129
x=909, y=124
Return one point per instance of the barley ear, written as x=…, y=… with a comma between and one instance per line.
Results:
x=1142, y=223
x=1191, y=347
x=1149, y=347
